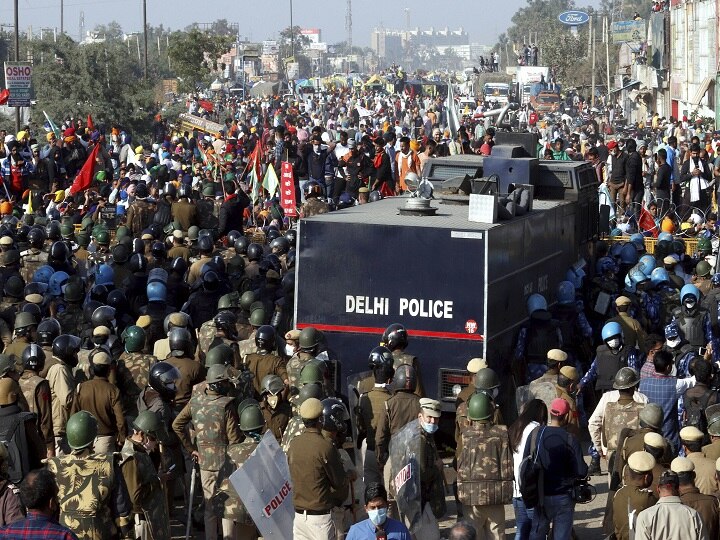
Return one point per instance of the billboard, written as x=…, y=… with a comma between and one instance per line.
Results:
x=18, y=79
x=270, y=48
x=628, y=31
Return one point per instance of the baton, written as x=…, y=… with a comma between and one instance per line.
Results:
x=193, y=475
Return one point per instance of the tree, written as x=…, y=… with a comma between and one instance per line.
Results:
x=287, y=37
x=194, y=56
x=111, y=31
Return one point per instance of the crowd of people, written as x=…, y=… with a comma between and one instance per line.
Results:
x=149, y=340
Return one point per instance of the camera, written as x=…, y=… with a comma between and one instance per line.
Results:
x=582, y=491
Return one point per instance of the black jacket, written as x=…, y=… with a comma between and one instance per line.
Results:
x=231, y=213
x=687, y=169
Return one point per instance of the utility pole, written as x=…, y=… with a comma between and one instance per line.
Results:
x=62, y=16
x=17, y=59
x=607, y=52
x=292, y=32
x=592, y=80
x=145, y=59
x=348, y=28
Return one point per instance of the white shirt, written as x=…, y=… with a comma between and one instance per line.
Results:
x=518, y=457
x=596, y=419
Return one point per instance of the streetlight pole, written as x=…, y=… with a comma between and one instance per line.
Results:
x=17, y=59
x=292, y=32
x=145, y=39
x=62, y=16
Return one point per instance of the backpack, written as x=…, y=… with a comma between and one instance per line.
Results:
x=163, y=214
x=532, y=473
x=694, y=414
x=12, y=435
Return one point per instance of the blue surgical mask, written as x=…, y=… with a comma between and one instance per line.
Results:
x=430, y=428
x=378, y=516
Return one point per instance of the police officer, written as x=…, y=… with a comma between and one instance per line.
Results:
x=612, y=355
x=712, y=450
x=93, y=497
x=692, y=441
x=184, y=211
x=486, y=381
x=34, y=257
x=634, y=495
x=150, y=513
x=318, y=477
x=395, y=338
x=229, y=506
x=484, y=468
x=102, y=399
x=28, y=443
x=473, y=366
x=694, y=322
x=402, y=407
x=276, y=410
x=25, y=333
x=65, y=350
x=216, y=425
x=296, y=426
x=11, y=507
x=205, y=248
x=136, y=364
x=535, y=339
x=264, y=362
x=37, y=394
x=706, y=505
x=182, y=358
x=177, y=319
x=632, y=331
x=702, y=277
x=256, y=319
x=371, y=407
x=545, y=386
x=309, y=343
x=314, y=205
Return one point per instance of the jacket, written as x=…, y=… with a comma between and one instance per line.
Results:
x=231, y=213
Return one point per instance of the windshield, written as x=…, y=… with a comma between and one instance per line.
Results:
x=496, y=90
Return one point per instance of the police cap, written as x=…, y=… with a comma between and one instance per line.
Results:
x=641, y=462
x=102, y=359
x=556, y=356
x=476, y=364
x=311, y=409
x=622, y=301
x=654, y=440
x=691, y=434
x=430, y=407
x=681, y=465
x=570, y=372
x=101, y=331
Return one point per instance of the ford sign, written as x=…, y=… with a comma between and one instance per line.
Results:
x=574, y=18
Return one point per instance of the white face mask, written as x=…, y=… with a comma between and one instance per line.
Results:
x=273, y=401
x=289, y=349
x=672, y=343
x=614, y=343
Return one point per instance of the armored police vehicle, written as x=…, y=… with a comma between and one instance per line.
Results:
x=458, y=286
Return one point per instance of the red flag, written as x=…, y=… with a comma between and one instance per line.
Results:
x=287, y=190
x=90, y=124
x=647, y=223
x=85, y=177
x=4, y=96
x=207, y=105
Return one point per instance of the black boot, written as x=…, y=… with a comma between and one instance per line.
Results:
x=594, y=468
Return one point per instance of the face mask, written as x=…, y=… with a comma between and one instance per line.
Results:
x=690, y=304
x=273, y=401
x=614, y=343
x=672, y=343
x=378, y=516
x=289, y=350
x=430, y=428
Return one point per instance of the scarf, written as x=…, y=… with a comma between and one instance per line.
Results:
x=377, y=160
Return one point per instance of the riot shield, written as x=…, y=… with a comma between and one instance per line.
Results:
x=522, y=396
x=263, y=484
x=405, y=473
x=355, y=385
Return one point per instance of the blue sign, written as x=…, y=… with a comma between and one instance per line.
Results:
x=574, y=18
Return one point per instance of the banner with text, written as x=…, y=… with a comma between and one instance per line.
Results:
x=18, y=79
x=287, y=188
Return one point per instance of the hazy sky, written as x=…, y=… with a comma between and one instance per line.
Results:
x=483, y=19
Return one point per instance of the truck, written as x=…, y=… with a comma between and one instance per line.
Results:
x=458, y=286
x=530, y=81
x=498, y=92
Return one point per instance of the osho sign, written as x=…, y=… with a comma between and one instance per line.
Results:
x=18, y=80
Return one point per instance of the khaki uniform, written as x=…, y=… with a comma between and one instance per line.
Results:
x=465, y=394
x=400, y=408
x=704, y=473
x=185, y=213
x=30, y=261
x=401, y=357
x=712, y=450
x=215, y=421
x=152, y=520
x=102, y=400
x=179, y=251
x=226, y=503
x=91, y=490
x=261, y=365
x=196, y=268
x=631, y=441
x=485, y=477
x=62, y=390
x=17, y=347
x=633, y=333
x=276, y=420
x=71, y=318
x=628, y=498
x=705, y=505
x=319, y=484
x=191, y=373
x=618, y=415
x=38, y=397
x=371, y=407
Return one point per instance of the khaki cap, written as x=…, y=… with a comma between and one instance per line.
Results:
x=147, y=236
x=476, y=364
x=556, y=355
x=6, y=241
x=670, y=261
x=178, y=319
x=570, y=372
x=363, y=190
x=311, y=409
x=682, y=464
x=431, y=407
x=641, y=462
x=101, y=331
x=34, y=298
x=654, y=440
x=144, y=321
x=622, y=301
x=272, y=274
x=178, y=234
x=691, y=434
x=102, y=359
x=293, y=335
x=712, y=413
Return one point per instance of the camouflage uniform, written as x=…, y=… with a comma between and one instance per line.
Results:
x=294, y=366
x=30, y=261
x=98, y=257
x=247, y=346
x=314, y=207
x=226, y=503
x=133, y=372
x=215, y=420
x=294, y=428
x=485, y=476
x=146, y=494
x=70, y=318
x=92, y=494
x=619, y=415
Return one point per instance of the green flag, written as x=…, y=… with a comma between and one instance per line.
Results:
x=270, y=182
